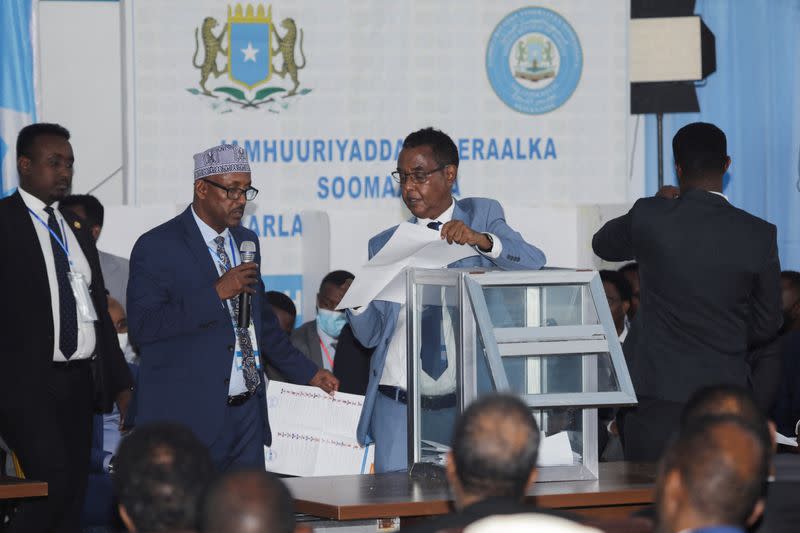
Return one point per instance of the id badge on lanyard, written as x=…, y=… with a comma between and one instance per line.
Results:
x=77, y=281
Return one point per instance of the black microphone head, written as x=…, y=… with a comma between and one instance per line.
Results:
x=248, y=251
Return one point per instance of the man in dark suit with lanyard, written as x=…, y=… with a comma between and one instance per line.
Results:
x=59, y=356
x=198, y=367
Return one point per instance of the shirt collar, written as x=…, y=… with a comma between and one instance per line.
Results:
x=624, y=333
x=208, y=233
x=444, y=218
x=34, y=203
x=719, y=194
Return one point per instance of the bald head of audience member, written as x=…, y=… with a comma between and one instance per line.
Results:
x=495, y=447
x=713, y=474
x=249, y=501
x=161, y=473
x=732, y=400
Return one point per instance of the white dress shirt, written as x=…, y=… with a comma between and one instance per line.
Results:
x=237, y=384
x=395, y=369
x=79, y=264
x=327, y=343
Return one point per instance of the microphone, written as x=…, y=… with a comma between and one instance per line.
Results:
x=247, y=250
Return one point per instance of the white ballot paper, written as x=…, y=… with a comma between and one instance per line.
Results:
x=786, y=441
x=410, y=246
x=555, y=450
x=313, y=433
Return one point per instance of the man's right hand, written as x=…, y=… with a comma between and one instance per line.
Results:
x=237, y=280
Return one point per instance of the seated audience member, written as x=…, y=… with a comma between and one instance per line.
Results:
x=492, y=462
x=618, y=292
x=98, y=508
x=786, y=412
x=286, y=313
x=619, y=295
x=317, y=338
x=114, y=268
x=249, y=501
x=161, y=473
x=527, y=523
x=725, y=400
x=782, y=513
x=712, y=477
x=284, y=309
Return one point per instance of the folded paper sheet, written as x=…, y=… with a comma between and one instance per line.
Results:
x=313, y=433
x=410, y=246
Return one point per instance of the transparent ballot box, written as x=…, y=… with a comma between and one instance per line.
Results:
x=546, y=336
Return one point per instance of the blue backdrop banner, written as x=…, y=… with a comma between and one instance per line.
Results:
x=17, y=86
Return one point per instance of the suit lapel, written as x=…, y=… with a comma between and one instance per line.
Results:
x=462, y=215
x=198, y=247
x=314, y=342
x=28, y=246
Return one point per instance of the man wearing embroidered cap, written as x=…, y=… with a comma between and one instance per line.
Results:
x=198, y=366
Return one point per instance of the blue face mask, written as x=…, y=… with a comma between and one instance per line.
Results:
x=331, y=322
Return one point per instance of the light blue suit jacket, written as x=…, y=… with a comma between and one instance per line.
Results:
x=375, y=326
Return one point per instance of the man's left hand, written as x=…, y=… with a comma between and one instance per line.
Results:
x=123, y=401
x=457, y=232
x=325, y=381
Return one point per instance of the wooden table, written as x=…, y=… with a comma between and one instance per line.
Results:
x=12, y=488
x=622, y=489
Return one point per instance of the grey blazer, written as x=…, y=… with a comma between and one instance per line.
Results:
x=306, y=339
x=115, y=275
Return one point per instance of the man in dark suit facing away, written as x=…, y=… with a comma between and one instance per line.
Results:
x=710, y=288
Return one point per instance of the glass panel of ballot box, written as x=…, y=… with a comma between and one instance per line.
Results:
x=546, y=336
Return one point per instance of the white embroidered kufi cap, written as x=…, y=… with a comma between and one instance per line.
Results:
x=220, y=160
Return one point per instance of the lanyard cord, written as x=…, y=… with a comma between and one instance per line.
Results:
x=63, y=243
x=327, y=354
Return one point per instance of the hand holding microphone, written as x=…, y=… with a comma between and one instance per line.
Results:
x=240, y=279
x=247, y=251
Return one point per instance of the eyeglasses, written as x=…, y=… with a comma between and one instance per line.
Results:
x=234, y=193
x=419, y=177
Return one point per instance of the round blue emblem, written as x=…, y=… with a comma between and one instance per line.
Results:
x=534, y=60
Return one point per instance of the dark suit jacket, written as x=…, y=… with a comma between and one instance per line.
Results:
x=184, y=331
x=710, y=290
x=787, y=407
x=26, y=318
x=352, y=363
x=306, y=339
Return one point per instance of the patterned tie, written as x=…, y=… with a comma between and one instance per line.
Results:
x=67, y=308
x=435, y=225
x=251, y=376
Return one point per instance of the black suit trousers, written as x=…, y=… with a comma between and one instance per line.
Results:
x=52, y=439
x=648, y=428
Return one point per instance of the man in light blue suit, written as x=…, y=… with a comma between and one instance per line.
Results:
x=426, y=170
x=198, y=367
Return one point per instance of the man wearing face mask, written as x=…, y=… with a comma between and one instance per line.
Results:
x=318, y=338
